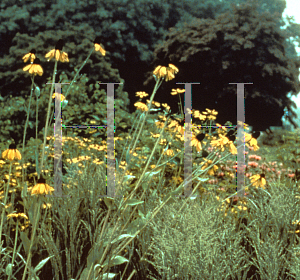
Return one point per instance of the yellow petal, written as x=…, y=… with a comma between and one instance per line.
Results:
x=49, y=54
x=57, y=54
x=27, y=67
x=39, y=70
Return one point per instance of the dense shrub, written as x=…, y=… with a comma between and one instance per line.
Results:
x=240, y=46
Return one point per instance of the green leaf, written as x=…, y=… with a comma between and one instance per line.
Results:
x=115, y=261
x=96, y=117
x=8, y=269
x=127, y=156
x=25, y=241
x=83, y=275
x=133, y=201
x=64, y=104
x=123, y=125
x=171, y=200
x=127, y=177
x=147, y=177
x=108, y=276
x=178, y=190
x=109, y=202
x=202, y=179
x=141, y=214
x=145, y=185
x=32, y=210
x=280, y=158
x=136, y=225
x=121, y=237
x=95, y=254
x=96, y=134
x=41, y=264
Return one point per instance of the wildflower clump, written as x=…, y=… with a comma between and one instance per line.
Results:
x=168, y=73
x=57, y=52
x=34, y=68
x=12, y=153
x=41, y=188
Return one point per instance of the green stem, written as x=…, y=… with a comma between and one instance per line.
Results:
x=14, y=252
x=181, y=110
x=78, y=72
x=5, y=200
x=50, y=100
x=157, y=85
x=47, y=118
x=36, y=136
x=25, y=129
x=32, y=237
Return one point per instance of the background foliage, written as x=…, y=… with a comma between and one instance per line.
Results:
x=240, y=46
x=130, y=30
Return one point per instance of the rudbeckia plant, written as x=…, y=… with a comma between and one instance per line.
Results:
x=34, y=68
x=152, y=176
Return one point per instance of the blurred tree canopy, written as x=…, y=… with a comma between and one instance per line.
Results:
x=240, y=46
x=131, y=30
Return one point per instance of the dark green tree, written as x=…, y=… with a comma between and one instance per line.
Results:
x=242, y=46
x=130, y=32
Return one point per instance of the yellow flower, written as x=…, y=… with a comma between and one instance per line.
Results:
x=64, y=57
x=17, y=215
x=245, y=125
x=220, y=142
x=248, y=137
x=165, y=72
x=166, y=106
x=34, y=68
x=159, y=124
x=242, y=207
x=212, y=170
x=177, y=91
x=160, y=71
x=196, y=141
x=176, y=180
x=258, y=180
x=62, y=97
x=211, y=114
x=97, y=46
x=58, y=53
x=173, y=123
x=41, y=187
x=30, y=55
x=141, y=94
x=170, y=76
x=141, y=106
x=157, y=104
x=252, y=141
x=199, y=116
x=46, y=205
x=173, y=69
x=154, y=135
x=232, y=148
x=12, y=153
x=169, y=152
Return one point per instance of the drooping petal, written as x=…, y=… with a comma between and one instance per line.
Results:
x=27, y=67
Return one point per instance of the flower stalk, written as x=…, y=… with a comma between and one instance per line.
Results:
x=47, y=118
x=5, y=200
x=37, y=217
